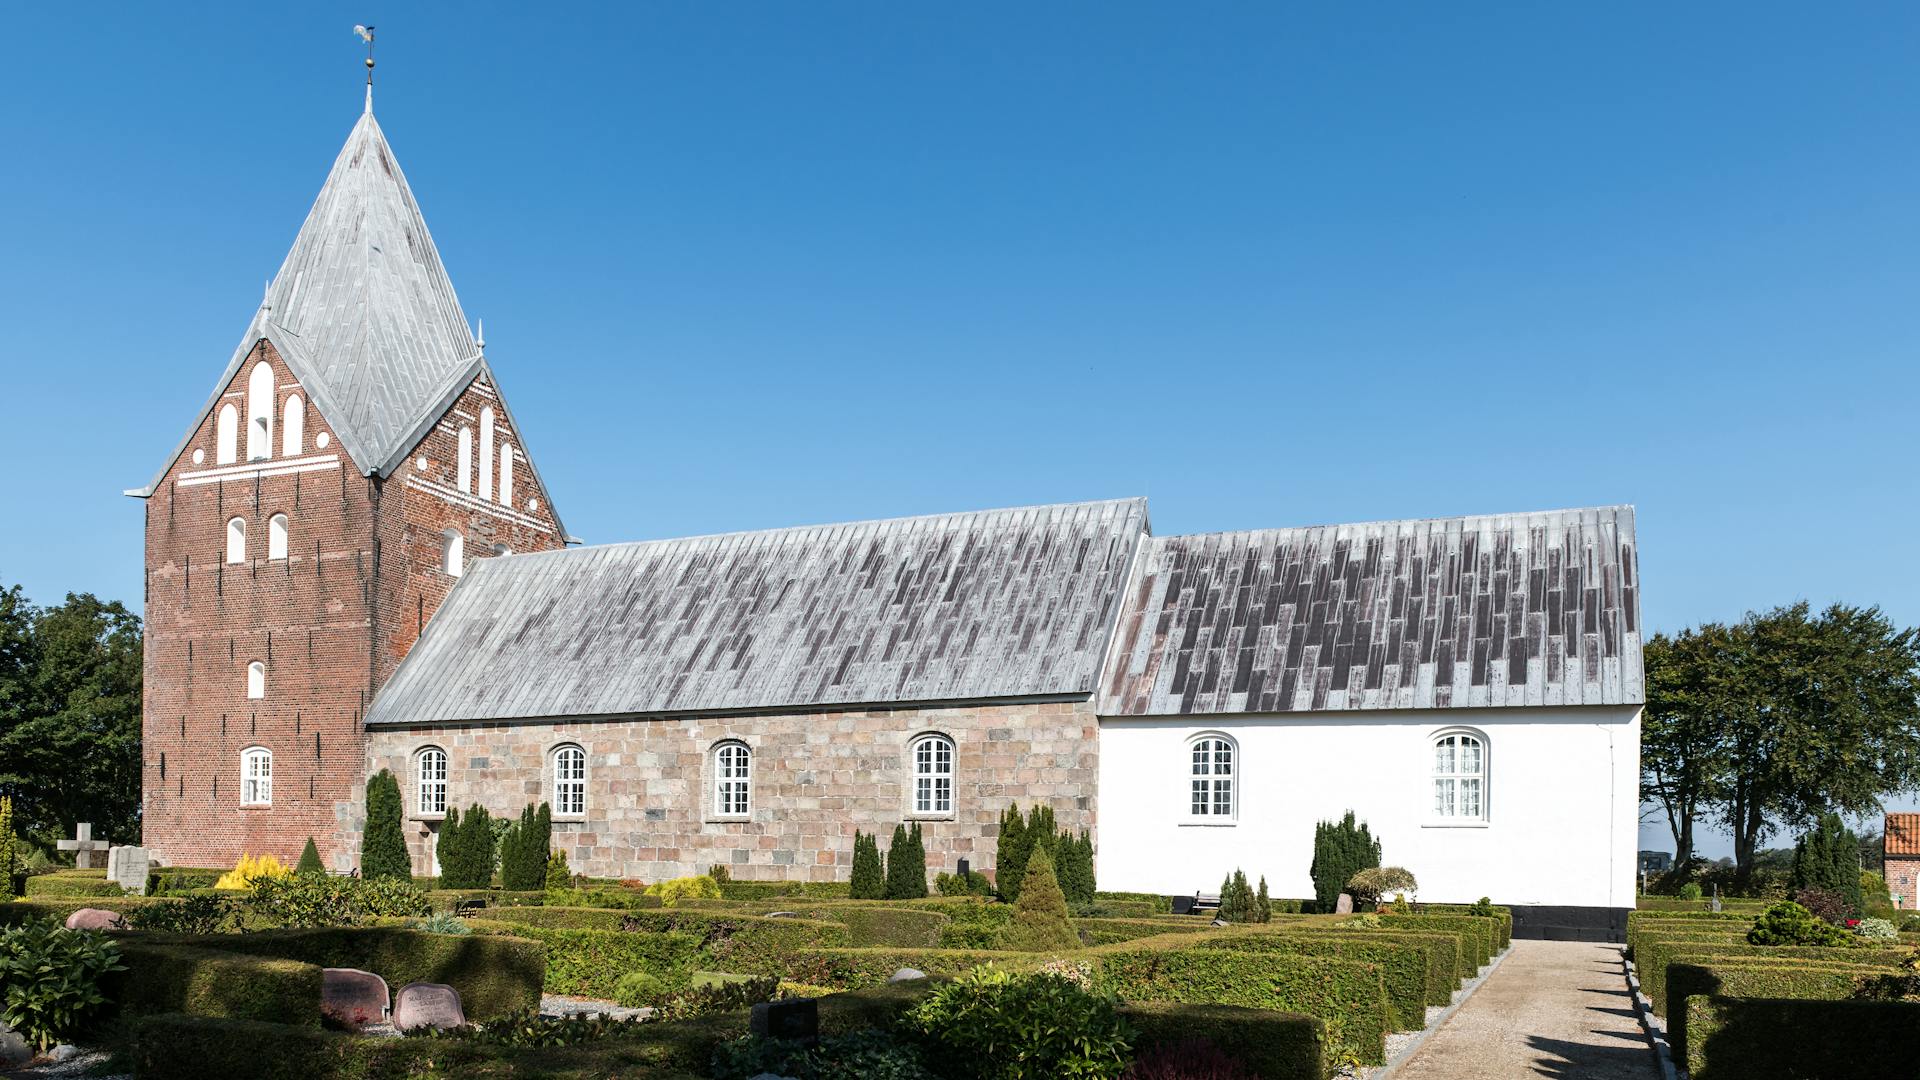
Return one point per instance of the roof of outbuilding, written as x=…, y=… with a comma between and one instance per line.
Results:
x=1512, y=609
x=995, y=604
x=1903, y=834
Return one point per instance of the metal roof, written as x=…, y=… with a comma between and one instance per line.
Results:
x=995, y=604
x=1516, y=609
x=363, y=312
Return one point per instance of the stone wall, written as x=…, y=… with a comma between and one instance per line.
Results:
x=817, y=777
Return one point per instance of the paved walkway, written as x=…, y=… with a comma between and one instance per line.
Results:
x=1554, y=1008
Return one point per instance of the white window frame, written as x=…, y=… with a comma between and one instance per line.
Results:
x=1220, y=777
x=430, y=783
x=256, y=680
x=256, y=776
x=732, y=780
x=568, y=766
x=260, y=412
x=931, y=763
x=226, y=438
x=506, y=474
x=1449, y=780
x=453, y=553
x=293, y=426
x=486, y=453
x=236, y=540
x=277, y=536
x=463, y=458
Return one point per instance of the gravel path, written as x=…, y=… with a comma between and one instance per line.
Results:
x=1554, y=1008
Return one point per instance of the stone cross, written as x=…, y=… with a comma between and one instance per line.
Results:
x=83, y=845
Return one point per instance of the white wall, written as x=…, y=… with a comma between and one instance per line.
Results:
x=1562, y=802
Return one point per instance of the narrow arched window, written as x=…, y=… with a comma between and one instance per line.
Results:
x=430, y=790
x=260, y=412
x=1460, y=776
x=293, y=427
x=463, y=469
x=506, y=475
x=486, y=452
x=256, y=776
x=932, y=775
x=732, y=780
x=226, y=440
x=453, y=552
x=1211, y=766
x=277, y=536
x=256, y=680
x=570, y=781
x=237, y=540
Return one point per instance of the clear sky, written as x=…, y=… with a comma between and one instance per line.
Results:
x=753, y=265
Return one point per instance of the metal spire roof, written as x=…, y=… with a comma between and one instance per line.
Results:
x=363, y=312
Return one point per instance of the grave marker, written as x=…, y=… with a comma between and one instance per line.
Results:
x=83, y=845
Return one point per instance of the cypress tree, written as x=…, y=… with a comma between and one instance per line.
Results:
x=1040, y=922
x=916, y=882
x=906, y=874
x=1073, y=861
x=383, y=847
x=1827, y=857
x=869, y=873
x=1236, y=899
x=478, y=846
x=310, y=860
x=523, y=852
x=1010, y=853
x=1340, y=849
x=450, y=850
x=1262, y=905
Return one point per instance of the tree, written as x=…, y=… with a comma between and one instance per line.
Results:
x=559, y=875
x=1683, y=732
x=1236, y=898
x=1010, y=853
x=906, y=865
x=1073, y=862
x=473, y=842
x=1340, y=849
x=450, y=850
x=310, y=860
x=523, y=852
x=1040, y=922
x=1827, y=858
x=869, y=873
x=383, y=847
x=1262, y=904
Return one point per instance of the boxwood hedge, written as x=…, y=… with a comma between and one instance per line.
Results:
x=73, y=883
x=1439, y=951
x=1655, y=957
x=1275, y=1045
x=588, y=962
x=1771, y=1039
x=1754, y=978
x=1403, y=968
x=210, y=982
x=1483, y=931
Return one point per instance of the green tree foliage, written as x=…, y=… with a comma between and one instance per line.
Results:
x=1782, y=717
x=9, y=846
x=467, y=849
x=1827, y=857
x=1236, y=899
x=869, y=872
x=559, y=874
x=310, y=860
x=1262, y=904
x=1073, y=862
x=906, y=864
x=1040, y=921
x=383, y=847
x=70, y=716
x=1001, y=1026
x=1787, y=923
x=1340, y=850
x=1019, y=838
x=523, y=852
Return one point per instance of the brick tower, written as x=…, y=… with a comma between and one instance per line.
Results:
x=354, y=455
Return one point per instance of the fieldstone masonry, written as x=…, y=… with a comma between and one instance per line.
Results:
x=817, y=777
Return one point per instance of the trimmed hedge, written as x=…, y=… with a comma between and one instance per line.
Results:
x=1276, y=1045
x=59, y=907
x=870, y=925
x=1164, y=903
x=559, y=918
x=1504, y=914
x=1654, y=959
x=854, y=969
x=1674, y=903
x=211, y=982
x=73, y=883
x=495, y=975
x=1114, y=931
x=1763, y=1039
x=1757, y=978
x=448, y=899
x=1347, y=995
x=1403, y=968
x=1440, y=950
x=742, y=944
x=761, y=890
x=587, y=963
x=1482, y=932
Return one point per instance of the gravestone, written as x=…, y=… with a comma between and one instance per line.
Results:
x=906, y=975
x=434, y=1005
x=1344, y=905
x=83, y=845
x=965, y=872
x=793, y=1018
x=353, y=997
x=93, y=918
x=128, y=868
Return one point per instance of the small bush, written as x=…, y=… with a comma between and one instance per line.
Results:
x=637, y=988
x=868, y=1054
x=250, y=869
x=1690, y=891
x=1024, y=1027
x=1825, y=904
x=559, y=875
x=974, y=884
x=1188, y=1059
x=443, y=923
x=1371, y=885
x=310, y=860
x=1788, y=923
x=1236, y=899
x=718, y=995
x=1040, y=920
x=188, y=915
x=672, y=892
x=52, y=978
x=1483, y=907
x=1877, y=930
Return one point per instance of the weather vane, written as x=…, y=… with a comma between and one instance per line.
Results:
x=366, y=35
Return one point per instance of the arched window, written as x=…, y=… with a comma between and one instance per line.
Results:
x=430, y=791
x=226, y=443
x=486, y=452
x=570, y=781
x=502, y=549
x=293, y=427
x=463, y=469
x=732, y=780
x=256, y=680
x=453, y=552
x=260, y=412
x=277, y=536
x=932, y=774
x=1460, y=776
x=1211, y=769
x=237, y=540
x=256, y=776
x=506, y=475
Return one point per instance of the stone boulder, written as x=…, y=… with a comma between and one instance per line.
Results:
x=906, y=975
x=93, y=918
x=434, y=1005
x=353, y=998
x=14, y=1050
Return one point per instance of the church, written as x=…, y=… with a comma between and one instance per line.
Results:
x=353, y=564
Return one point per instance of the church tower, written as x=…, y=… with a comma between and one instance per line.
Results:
x=354, y=456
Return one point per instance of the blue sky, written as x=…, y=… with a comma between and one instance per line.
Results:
x=746, y=266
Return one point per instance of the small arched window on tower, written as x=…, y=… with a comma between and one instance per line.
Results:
x=569, y=781
x=277, y=536
x=256, y=680
x=486, y=452
x=237, y=540
x=226, y=440
x=293, y=427
x=431, y=788
x=256, y=776
x=453, y=552
x=732, y=780
x=463, y=471
x=260, y=412
x=506, y=475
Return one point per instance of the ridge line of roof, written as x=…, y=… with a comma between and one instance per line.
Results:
x=1628, y=507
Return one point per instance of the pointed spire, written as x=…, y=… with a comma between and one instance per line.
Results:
x=480, y=336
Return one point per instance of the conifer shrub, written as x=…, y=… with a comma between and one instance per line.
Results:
x=310, y=860
x=524, y=851
x=467, y=853
x=1073, y=861
x=1040, y=921
x=559, y=874
x=251, y=868
x=1236, y=899
x=10, y=862
x=1010, y=853
x=1787, y=923
x=906, y=865
x=974, y=883
x=1827, y=858
x=383, y=846
x=1262, y=903
x=869, y=873
x=1340, y=850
